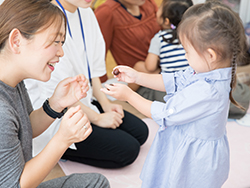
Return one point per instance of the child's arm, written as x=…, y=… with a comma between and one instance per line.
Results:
x=124, y=93
x=129, y=75
x=152, y=62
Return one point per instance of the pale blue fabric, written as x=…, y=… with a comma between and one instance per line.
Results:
x=190, y=149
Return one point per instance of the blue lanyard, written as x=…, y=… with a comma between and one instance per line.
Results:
x=83, y=38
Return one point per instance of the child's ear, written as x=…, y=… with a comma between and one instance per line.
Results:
x=211, y=56
x=15, y=37
x=166, y=22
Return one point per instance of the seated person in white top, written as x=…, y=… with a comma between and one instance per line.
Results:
x=117, y=135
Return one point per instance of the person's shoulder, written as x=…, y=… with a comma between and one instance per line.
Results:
x=86, y=11
x=157, y=35
x=7, y=115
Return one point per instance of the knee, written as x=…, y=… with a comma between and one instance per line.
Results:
x=144, y=135
x=96, y=180
x=130, y=153
x=103, y=181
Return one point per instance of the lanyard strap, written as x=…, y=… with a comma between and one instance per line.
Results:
x=83, y=38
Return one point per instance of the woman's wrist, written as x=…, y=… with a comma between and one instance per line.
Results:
x=51, y=111
x=62, y=141
x=54, y=104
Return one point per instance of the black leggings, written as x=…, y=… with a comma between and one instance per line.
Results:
x=111, y=148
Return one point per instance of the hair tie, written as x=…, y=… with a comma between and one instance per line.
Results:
x=172, y=26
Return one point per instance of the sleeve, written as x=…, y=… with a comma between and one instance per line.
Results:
x=105, y=19
x=155, y=45
x=194, y=102
x=11, y=157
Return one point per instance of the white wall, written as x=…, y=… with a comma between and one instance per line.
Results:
x=245, y=11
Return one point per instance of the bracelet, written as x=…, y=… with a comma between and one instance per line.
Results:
x=50, y=112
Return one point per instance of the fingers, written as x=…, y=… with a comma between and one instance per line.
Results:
x=71, y=111
x=86, y=128
x=78, y=124
x=117, y=120
x=120, y=111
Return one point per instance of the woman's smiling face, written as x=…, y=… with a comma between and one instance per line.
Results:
x=42, y=52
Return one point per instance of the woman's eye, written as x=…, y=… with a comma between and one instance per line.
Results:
x=58, y=42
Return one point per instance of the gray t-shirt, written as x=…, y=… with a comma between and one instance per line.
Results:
x=15, y=133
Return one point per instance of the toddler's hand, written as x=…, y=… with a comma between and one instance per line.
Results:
x=125, y=74
x=75, y=126
x=118, y=91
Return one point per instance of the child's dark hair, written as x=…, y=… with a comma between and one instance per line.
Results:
x=214, y=25
x=173, y=10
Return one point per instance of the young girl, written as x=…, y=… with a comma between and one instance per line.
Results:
x=191, y=147
x=117, y=135
x=31, y=36
x=165, y=51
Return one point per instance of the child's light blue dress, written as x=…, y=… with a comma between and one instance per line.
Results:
x=190, y=149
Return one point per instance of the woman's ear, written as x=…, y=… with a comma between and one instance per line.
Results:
x=15, y=37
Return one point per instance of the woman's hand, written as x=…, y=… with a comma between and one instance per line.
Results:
x=109, y=120
x=125, y=74
x=119, y=91
x=75, y=126
x=68, y=92
x=110, y=107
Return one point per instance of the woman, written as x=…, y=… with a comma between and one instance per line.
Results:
x=30, y=48
x=117, y=135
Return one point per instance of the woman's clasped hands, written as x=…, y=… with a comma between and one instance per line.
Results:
x=75, y=126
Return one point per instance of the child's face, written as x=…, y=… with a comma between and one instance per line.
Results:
x=195, y=60
x=165, y=24
x=40, y=54
x=158, y=16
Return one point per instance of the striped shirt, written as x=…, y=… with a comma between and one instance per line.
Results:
x=172, y=55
